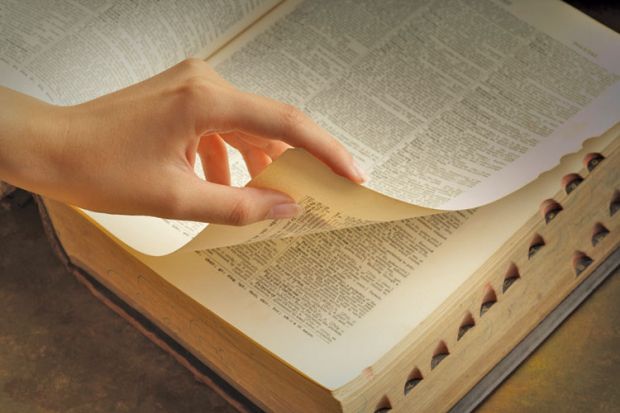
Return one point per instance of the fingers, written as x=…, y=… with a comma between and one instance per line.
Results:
x=220, y=204
x=214, y=158
x=255, y=158
x=260, y=116
x=222, y=108
x=273, y=148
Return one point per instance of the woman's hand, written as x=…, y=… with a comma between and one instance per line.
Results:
x=133, y=151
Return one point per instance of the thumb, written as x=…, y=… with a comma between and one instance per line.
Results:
x=222, y=204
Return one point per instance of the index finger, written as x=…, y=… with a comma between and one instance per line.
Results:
x=268, y=118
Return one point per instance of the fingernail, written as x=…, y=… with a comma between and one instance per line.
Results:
x=360, y=172
x=283, y=211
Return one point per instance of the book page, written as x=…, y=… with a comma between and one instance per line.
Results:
x=331, y=304
x=75, y=50
x=442, y=119
x=448, y=104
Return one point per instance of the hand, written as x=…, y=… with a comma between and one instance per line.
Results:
x=133, y=151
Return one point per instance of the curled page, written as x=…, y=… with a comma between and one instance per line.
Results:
x=449, y=105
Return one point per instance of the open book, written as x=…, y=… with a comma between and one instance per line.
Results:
x=455, y=108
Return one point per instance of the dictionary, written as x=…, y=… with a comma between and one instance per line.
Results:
x=489, y=131
x=477, y=301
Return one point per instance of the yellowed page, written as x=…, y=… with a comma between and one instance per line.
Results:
x=330, y=202
x=449, y=105
x=312, y=300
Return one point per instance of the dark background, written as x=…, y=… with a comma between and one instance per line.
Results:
x=606, y=12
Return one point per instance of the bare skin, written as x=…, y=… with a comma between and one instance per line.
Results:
x=133, y=151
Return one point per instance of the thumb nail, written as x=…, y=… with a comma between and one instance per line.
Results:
x=283, y=211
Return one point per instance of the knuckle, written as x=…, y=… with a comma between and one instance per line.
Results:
x=194, y=90
x=198, y=67
x=194, y=86
x=240, y=213
x=193, y=65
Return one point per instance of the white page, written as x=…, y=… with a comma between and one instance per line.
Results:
x=448, y=104
x=76, y=51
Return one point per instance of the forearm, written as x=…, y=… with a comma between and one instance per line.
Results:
x=30, y=132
